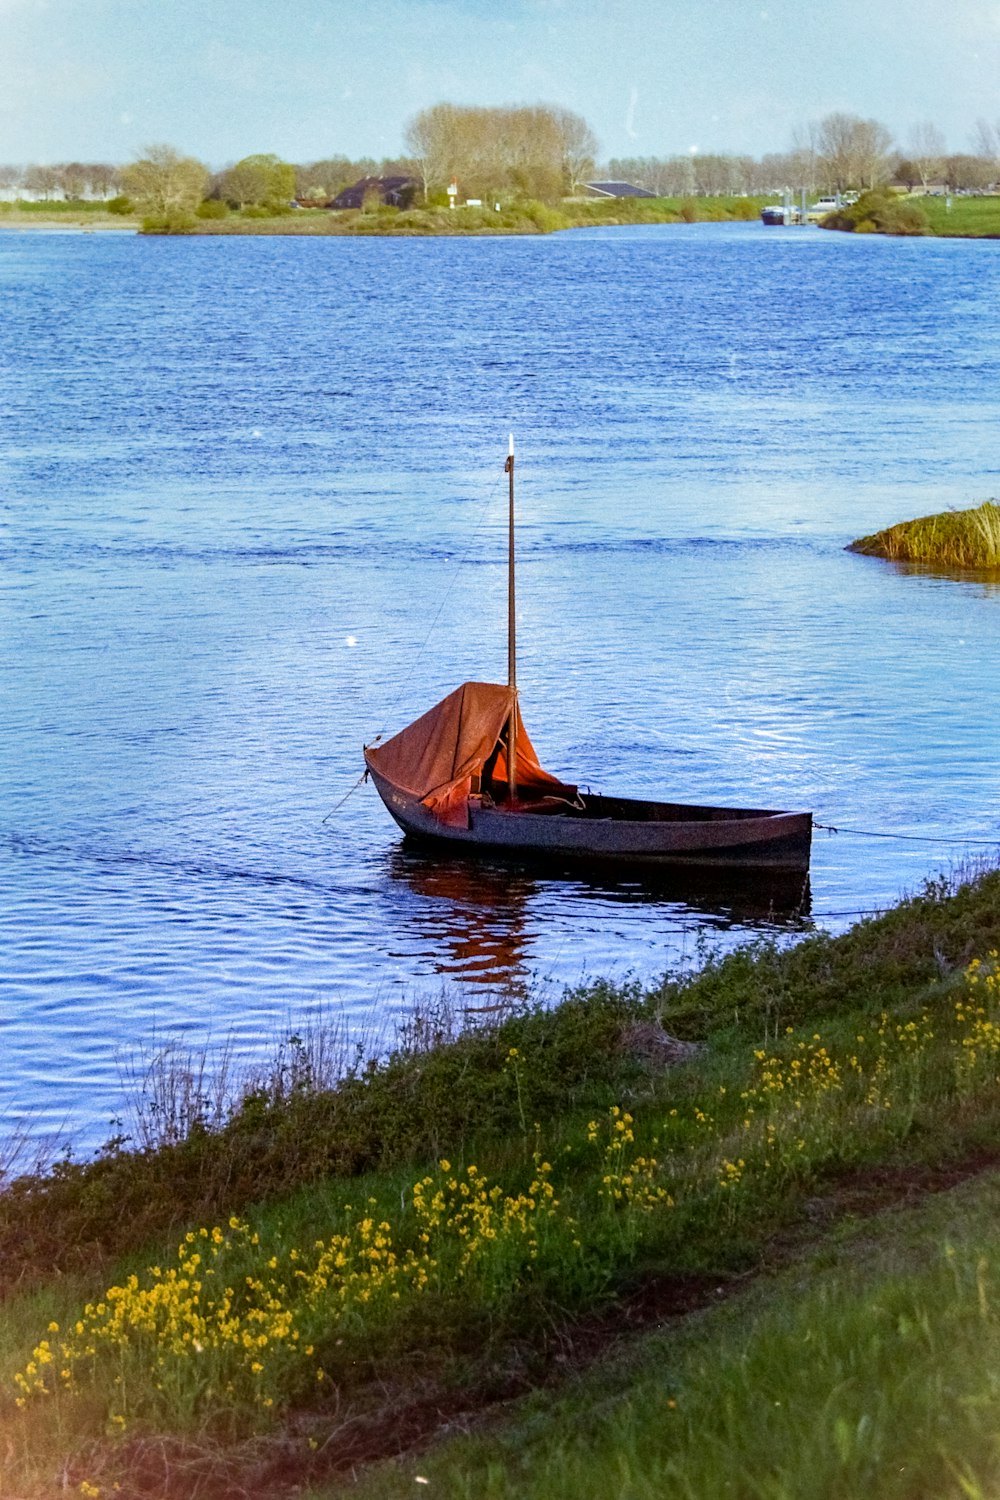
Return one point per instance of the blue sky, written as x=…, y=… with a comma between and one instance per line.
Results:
x=98, y=79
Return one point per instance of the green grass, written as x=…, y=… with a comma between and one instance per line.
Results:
x=870, y=1367
x=953, y=539
x=86, y=214
x=449, y=1227
x=974, y=218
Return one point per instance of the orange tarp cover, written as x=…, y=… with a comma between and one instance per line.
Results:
x=437, y=755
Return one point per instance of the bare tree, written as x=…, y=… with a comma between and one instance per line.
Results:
x=971, y=172
x=103, y=180
x=324, y=179
x=431, y=139
x=578, y=147
x=779, y=170
x=531, y=150
x=163, y=181
x=666, y=176
x=718, y=175
x=40, y=180
x=803, y=163
x=10, y=178
x=986, y=140
x=927, y=149
x=72, y=179
x=874, y=153
x=852, y=153
x=986, y=144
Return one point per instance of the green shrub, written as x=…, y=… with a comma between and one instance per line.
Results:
x=545, y=218
x=212, y=208
x=879, y=211
x=174, y=221
x=119, y=205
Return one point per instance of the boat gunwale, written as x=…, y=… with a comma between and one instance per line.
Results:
x=770, y=838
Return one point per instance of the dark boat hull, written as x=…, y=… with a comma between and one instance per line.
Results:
x=614, y=831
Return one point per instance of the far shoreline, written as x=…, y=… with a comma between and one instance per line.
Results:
x=910, y=216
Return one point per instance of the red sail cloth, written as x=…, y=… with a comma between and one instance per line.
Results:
x=437, y=755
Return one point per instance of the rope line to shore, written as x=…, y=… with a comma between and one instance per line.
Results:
x=910, y=838
x=348, y=794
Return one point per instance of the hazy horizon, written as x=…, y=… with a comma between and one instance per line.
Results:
x=100, y=79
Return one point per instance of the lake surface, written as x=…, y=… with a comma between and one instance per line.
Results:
x=254, y=513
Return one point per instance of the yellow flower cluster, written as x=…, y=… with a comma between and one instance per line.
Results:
x=977, y=1019
x=232, y=1317
x=731, y=1172
x=627, y=1179
x=186, y=1313
x=467, y=1208
x=809, y=1072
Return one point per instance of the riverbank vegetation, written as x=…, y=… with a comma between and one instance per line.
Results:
x=350, y=1255
x=885, y=211
x=112, y=213
x=865, y=1367
x=880, y=212
x=952, y=539
x=519, y=217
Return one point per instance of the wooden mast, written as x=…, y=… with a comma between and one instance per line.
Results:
x=511, y=636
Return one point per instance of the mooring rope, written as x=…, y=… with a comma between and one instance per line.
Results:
x=348, y=794
x=910, y=838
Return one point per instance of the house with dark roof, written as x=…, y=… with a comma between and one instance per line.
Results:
x=394, y=192
x=616, y=190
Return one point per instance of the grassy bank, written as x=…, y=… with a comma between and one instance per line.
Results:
x=866, y=1368
x=965, y=218
x=953, y=539
x=516, y=218
x=526, y=217
x=58, y=215
x=884, y=211
x=328, y=1275
x=879, y=212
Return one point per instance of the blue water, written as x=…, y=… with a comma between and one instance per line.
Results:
x=253, y=513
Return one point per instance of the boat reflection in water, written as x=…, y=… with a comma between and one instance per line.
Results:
x=476, y=919
x=472, y=922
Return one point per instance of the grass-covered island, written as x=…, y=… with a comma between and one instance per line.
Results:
x=734, y=1234
x=952, y=539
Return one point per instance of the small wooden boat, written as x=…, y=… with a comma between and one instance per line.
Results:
x=465, y=774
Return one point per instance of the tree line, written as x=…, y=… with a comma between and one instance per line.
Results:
x=525, y=151
x=256, y=181
x=832, y=155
